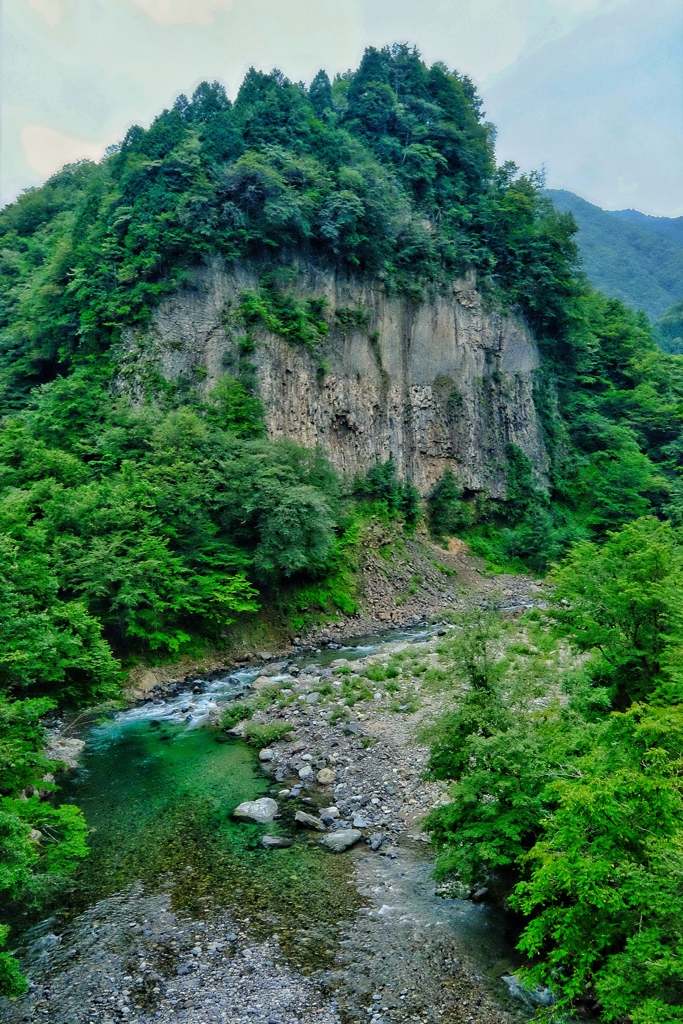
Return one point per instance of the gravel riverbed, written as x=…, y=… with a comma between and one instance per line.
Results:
x=408, y=955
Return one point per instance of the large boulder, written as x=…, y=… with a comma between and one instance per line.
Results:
x=261, y=811
x=341, y=839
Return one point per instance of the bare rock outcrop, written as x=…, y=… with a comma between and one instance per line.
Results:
x=442, y=384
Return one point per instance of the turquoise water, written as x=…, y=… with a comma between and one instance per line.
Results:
x=158, y=798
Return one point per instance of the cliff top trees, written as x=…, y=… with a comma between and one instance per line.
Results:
x=389, y=170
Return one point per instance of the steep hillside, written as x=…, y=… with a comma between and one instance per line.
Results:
x=628, y=255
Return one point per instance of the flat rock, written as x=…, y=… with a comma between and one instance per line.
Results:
x=360, y=822
x=309, y=821
x=326, y=776
x=305, y=772
x=341, y=840
x=65, y=749
x=266, y=754
x=313, y=698
x=261, y=811
x=275, y=842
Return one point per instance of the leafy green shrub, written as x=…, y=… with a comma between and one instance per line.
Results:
x=297, y=320
x=263, y=735
x=232, y=408
x=234, y=713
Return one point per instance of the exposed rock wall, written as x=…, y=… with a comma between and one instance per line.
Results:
x=442, y=384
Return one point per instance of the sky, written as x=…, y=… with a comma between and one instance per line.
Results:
x=591, y=91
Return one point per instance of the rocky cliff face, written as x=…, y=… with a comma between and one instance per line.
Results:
x=443, y=384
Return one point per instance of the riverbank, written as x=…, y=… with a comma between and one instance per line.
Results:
x=357, y=715
x=400, y=581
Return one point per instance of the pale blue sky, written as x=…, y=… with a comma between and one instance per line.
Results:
x=590, y=89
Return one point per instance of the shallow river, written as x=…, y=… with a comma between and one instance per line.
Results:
x=158, y=789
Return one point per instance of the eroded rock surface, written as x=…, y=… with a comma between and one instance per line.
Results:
x=443, y=384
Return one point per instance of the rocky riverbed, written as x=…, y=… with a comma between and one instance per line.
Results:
x=351, y=763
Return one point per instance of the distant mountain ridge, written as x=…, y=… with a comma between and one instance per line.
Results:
x=668, y=227
x=627, y=254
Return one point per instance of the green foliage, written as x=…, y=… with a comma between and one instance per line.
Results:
x=299, y=321
x=12, y=981
x=141, y=530
x=622, y=603
x=230, y=407
x=39, y=844
x=448, y=513
x=395, y=497
x=235, y=713
x=576, y=811
x=668, y=330
x=264, y=735
x=604, y=892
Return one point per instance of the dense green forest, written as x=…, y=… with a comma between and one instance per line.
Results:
x=141, y=530
x=628, y=255
x=668, y=330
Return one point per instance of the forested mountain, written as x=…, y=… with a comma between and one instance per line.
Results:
x=627, y=254
x=667, y=227
x=136, y=526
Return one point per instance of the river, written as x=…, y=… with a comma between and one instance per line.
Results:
x=359, y=936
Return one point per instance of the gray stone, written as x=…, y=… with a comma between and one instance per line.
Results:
x=266, y=754
x=313, y=698
x=359, y=822
x=305, y=772
x=275, y=842
x=260, y=683
x=341, y=839
x=65, y=749
x=262, y=810
x=309, y=821
x=376, y=840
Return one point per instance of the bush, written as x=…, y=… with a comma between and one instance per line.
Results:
x=264, y=735
x=235, y=713
x=576, y=812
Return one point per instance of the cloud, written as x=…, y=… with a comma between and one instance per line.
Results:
x=47, y=149
x=601, y=108
x=180, y=12
x=51, y=11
